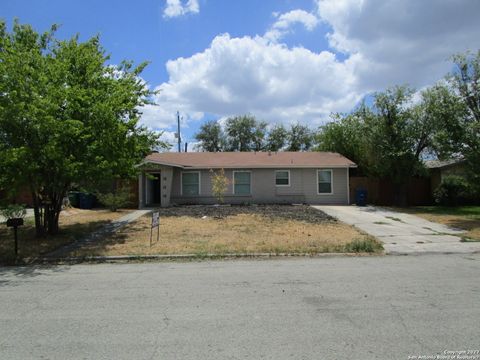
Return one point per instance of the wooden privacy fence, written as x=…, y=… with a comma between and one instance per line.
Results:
x=383, y=192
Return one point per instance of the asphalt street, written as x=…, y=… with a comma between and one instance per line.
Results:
x=389, y=307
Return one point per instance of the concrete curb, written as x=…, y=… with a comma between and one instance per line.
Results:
x=185, y=257
x=421, y=253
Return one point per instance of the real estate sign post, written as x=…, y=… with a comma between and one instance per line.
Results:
x=155, y=223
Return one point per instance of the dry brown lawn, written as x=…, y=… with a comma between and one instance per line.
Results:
x=238, y=233
x=461, y=217
x=73, y=223
x=472, y=227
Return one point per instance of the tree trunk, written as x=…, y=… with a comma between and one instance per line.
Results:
x=38, y=214
x=47, y=213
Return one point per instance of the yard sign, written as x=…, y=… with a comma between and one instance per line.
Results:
x=155, y=223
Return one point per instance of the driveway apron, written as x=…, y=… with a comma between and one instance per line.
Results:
x=402, y=233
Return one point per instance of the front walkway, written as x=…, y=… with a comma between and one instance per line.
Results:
x=402, y=233
x=102, y=232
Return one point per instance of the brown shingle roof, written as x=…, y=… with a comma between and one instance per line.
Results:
x=207, y=160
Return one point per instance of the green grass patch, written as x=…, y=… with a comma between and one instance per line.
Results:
x=394, y=218
x=380, y=222
x=468, y=239
x=368, y=245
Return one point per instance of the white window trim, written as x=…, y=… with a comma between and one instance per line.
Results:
x=331, y=182
x=275, y=179
x=233, y=182
x=199, y=181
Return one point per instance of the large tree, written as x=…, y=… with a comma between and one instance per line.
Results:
x=211, y=137
x=344, y=135
x=390, y=138
x=245, y=133
x=66, y=117
x=465, y=81
x=299, y=138
x=277, y=138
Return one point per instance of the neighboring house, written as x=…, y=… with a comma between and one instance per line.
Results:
x=440, y=168
x=254, y=177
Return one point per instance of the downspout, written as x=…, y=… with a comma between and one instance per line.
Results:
x=348, y=185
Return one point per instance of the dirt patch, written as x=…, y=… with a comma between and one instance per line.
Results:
x=287, y=212
x=74, y=223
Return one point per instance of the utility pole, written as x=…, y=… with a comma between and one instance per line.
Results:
x=178, y=133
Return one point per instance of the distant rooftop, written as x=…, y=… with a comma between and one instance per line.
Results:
x=437, y=164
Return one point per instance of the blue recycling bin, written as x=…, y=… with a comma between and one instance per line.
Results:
x=361, y=197
x=85, y=201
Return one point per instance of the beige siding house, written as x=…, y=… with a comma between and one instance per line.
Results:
x=254, y=177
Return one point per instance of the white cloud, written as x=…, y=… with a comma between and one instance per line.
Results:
x=163, y=115
x=285, y=21
x=401, y=41
x=271, y=81
x=176, y=8
x=383, y=42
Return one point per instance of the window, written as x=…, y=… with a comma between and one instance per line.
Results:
x=241, y=182
x=190, y=183
x=324, y=180
x=282, y=178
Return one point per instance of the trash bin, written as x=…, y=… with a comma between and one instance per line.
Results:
x=85, y=201
x=73, y=197
x=361, y=197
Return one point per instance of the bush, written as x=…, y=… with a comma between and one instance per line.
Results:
x=452, y=191
x=114, y=201
x=368, y=245
x=219, y=184
x=13, y=211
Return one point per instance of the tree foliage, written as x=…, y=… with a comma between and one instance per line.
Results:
x=211, y=137
x=299, y=138
x=245, y=133
x=390, y=138
x=277, y=138
x=465, y=81
x=66, y=117
x=219, y=184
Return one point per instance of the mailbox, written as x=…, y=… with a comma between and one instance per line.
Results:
x=15, y=222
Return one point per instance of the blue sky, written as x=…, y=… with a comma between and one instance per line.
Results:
x=281, y=60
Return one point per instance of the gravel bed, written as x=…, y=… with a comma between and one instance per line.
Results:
x=289, y=212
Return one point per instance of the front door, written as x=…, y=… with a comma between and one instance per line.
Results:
x=156, y=198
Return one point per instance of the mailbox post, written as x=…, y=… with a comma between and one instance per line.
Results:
x=15, y=223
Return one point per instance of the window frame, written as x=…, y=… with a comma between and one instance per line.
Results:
x=282, y=185
x=233, y=182
x=331, y=182
x=199, y=182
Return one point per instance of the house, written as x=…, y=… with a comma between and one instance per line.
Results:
x=438, y=169
x=254, y=177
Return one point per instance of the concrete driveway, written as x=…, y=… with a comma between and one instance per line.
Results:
x=402, y=233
